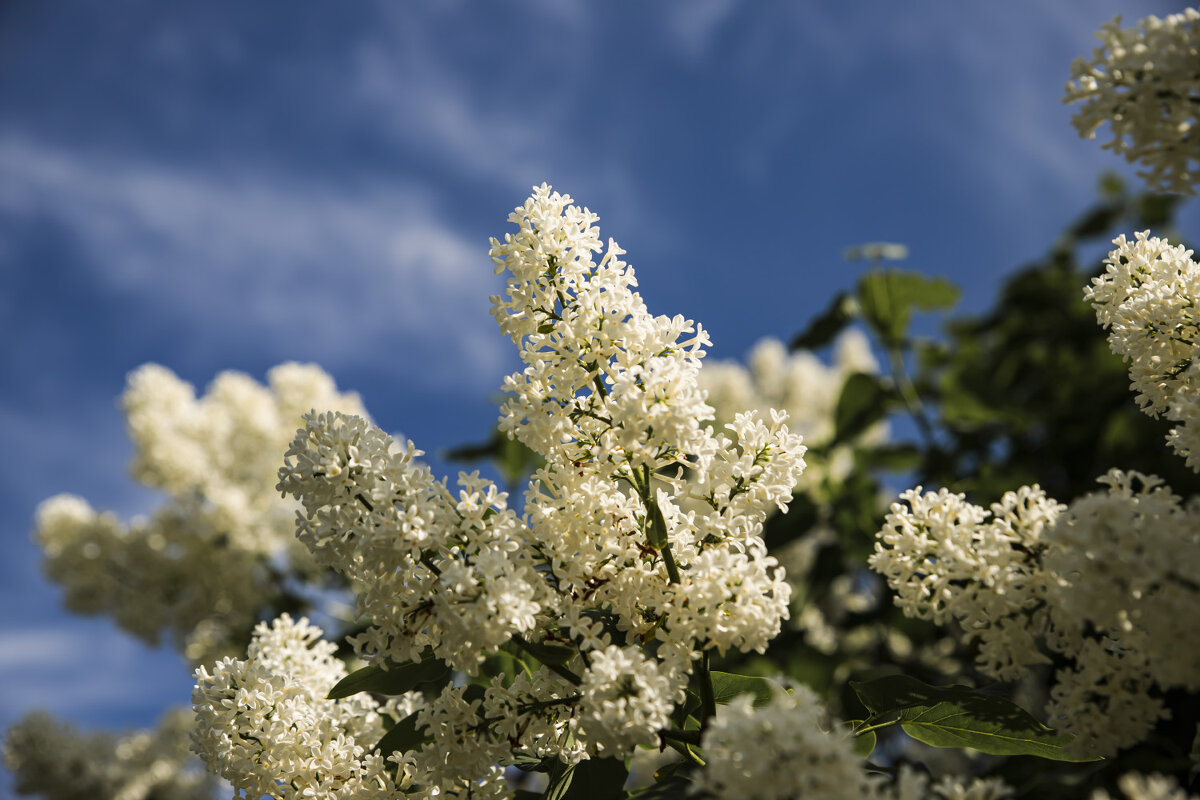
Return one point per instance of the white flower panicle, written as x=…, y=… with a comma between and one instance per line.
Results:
x=627, y=699
x=173, y=575
x=604, y=380
x=914, y=785
x=1147, y=299
x=641, y=538
x=264, y=724
x=950, y=560
x=1144, y=83
x=780, y=751
x=431, y=569
x=54, y=761
x=1125, y=561
x=199, y=569
x=1106, y=582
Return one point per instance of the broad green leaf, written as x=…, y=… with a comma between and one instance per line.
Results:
x=955, y=716
x=403, y=737
x=829, y=324
x=888, y=297
x=397, y=679
x=864, y=400
x=727, y=686
x=598, y=779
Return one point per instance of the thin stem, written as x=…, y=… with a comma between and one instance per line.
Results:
x=869, y=728
x=908, y=393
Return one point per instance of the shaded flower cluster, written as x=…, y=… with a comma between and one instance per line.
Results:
x=202, y=567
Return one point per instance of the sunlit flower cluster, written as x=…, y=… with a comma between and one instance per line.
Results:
x=264, y=724
x=1143, y=83
x=201, y=568
x=51, y=759
x=640, y=544
x=1146, y=299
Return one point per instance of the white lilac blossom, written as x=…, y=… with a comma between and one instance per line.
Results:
x=431, y=569
x=51, y=759
x=626, y=700
x=264, y=723
x=949, y=560
x=785, y=749
x=1143, y=82
x=640, y=544
x=1106, y=582
x=1146, y=299
x=200, y=569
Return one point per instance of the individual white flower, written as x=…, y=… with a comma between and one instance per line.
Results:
x=780, y=751
x=1143, y=83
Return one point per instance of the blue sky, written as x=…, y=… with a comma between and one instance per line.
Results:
x=223, y=185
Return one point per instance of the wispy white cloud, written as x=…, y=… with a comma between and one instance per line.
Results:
x=239, y=253
x=693, y=26
x=43, y=666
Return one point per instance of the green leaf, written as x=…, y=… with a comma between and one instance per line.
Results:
x=888, y=297
x=397, y=679
x=656, y=531
x=864, y=400
x=822, y=330
x=891, y=457
x=403, y=737
x=864, y=743
x=560, y=783
x=727, y=686
x=955, y=716
x=598, y=779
